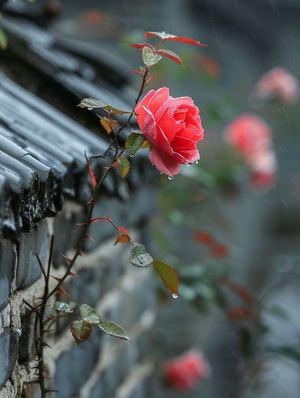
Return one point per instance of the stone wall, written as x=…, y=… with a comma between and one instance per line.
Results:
x=44, y=190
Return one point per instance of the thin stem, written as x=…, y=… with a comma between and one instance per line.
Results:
x=144, y=83
x=95, y=194
x=41, y=309
x=84, y=233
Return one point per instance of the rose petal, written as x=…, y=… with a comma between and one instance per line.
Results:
x=164, y=163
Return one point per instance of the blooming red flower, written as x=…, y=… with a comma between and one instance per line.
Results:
x=252, y=137
x=184, y=372
x=278, y=82
x=173, y=128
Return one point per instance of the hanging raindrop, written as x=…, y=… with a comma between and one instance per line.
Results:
x=170, y=178
x=175, y=296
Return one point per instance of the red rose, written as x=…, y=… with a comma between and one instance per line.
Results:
x=186, y=371
x=252, y=137
x=173, y=128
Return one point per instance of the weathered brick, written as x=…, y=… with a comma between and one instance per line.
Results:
x=31, y=244
x=74, y=367
x=6, y=271
x=8, y=354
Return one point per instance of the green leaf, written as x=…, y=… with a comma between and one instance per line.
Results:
x=290, y=352
x=63, y=307
x=3, y=40
x=134, y=143
x=168, y=276
x=246, y=342
x=123, y=166
x=139, y=257
x=149, y=57
x=88, y=314
x=114, y=330
x=81, y=331
x=92, y=103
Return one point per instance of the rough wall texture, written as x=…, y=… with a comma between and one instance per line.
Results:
x=101, y=366
x=44, y=187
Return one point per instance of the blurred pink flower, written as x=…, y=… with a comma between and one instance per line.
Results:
x=278, y=82
x=248, y=134
x=252, y=137
x=184, y=372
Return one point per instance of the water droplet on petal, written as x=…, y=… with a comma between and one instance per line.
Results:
x=170, y=178
x=188, y=164
x=175, y=296
x=197, y=162
x=89, y=109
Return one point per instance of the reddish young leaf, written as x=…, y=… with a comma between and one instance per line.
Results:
x=170, y=37
x=170, y=54
x=187, y=40
x=239, y=290
x=204, y=237
x=140, y=46
x=240, y=313
x=219, y=250
x=122, y=238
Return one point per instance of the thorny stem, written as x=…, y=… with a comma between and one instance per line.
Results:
x=95, y=194
x=40, y=343
x=40, y=309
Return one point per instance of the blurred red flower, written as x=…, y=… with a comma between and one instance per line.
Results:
x=172, y=126
x=184, y=372
x=278, y=82
x=252, y=137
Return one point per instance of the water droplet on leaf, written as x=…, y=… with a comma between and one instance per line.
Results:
x=175, y=296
